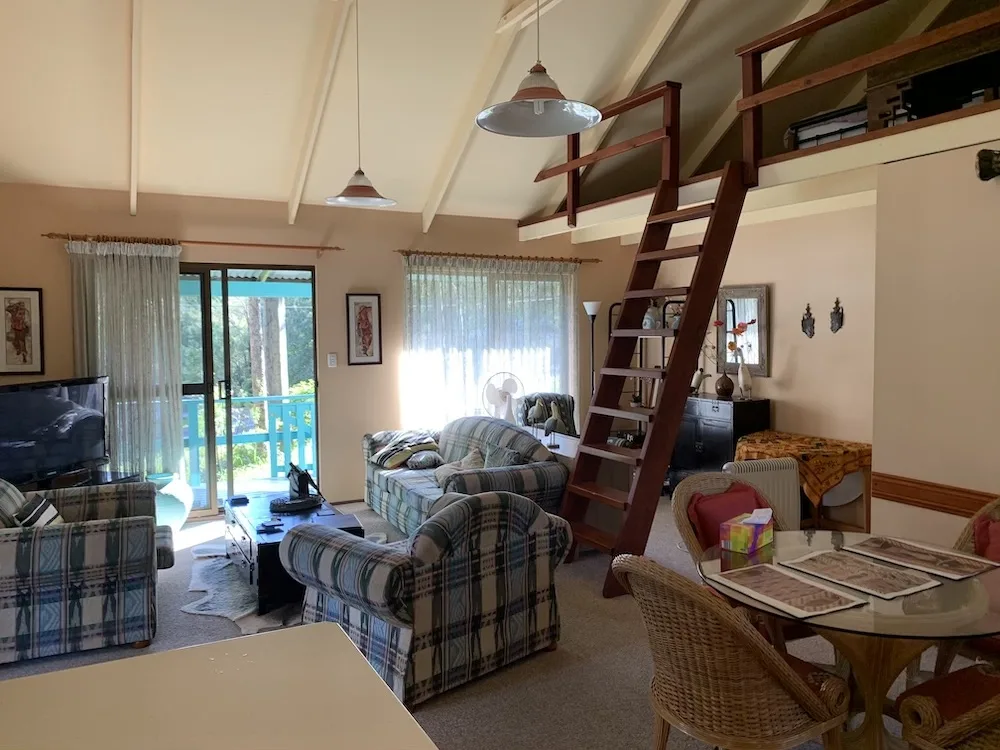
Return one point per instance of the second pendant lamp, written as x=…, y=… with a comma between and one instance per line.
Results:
x=359, y=191
x=538, y=109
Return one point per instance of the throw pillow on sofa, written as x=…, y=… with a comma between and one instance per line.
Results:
x=405, y=444
x=472, y=460
x=497, y=456
x=425, y=460
x=38, y=512
x=11, y=501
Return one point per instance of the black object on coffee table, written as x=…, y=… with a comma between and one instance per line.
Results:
x=255, y=553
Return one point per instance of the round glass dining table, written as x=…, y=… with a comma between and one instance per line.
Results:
x=883, y=636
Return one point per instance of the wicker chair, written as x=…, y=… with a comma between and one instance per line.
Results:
x=948, y=650
x=717, y=679
x=958, y=712
x=714, y=483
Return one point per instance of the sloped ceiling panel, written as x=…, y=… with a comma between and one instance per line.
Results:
x=64, y=92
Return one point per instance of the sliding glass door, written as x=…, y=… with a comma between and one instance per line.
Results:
x=249, y=364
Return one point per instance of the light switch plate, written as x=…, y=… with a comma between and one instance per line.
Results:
x=331, y=359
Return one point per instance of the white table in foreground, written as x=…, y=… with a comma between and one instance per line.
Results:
x=301, y=687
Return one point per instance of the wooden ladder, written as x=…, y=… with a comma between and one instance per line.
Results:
x=651, y=460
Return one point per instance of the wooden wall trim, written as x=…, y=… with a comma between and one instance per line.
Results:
x=944, y=498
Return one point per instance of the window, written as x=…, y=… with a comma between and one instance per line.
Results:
x=467, y=318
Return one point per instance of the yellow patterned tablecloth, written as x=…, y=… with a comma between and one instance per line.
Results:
x=823, y=463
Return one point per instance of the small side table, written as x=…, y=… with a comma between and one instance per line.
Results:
x=823, y=464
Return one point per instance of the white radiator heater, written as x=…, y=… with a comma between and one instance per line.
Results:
x=778, y=479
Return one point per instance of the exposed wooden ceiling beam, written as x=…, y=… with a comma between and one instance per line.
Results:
x=651, y=40
x=770, y=63
x=134, y=72
x=510, y=23
x=522, y=15
x=321, y=95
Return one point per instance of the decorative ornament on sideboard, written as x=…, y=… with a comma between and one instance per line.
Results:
x=836, y=316
x=653, y=319
x=808, y=323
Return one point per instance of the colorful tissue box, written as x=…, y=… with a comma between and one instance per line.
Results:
x=737, y=536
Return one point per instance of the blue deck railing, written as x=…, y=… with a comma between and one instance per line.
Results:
x=291, y=427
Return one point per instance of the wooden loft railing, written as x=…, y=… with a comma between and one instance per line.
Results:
x=755, y=95
x=668, y=91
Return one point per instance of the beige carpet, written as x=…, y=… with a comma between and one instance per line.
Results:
x=590, y=693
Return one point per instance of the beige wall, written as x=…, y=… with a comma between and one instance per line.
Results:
x=937, y=404
x=819, y=386
x=352, y=400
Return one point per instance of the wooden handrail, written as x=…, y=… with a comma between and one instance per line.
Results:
x=653, y=136
x=827, y=17
x=895, y=51
x=637, y=99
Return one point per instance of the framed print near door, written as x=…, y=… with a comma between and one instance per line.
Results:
x=364, y=329
x=23, y=352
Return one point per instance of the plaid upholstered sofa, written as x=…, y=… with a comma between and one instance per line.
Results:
x=408, y=497
x=472, y=590
x=87, y=583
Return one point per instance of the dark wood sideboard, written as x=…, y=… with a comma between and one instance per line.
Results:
x=709, y=431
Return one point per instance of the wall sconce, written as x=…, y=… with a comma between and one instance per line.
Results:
x=987, y=165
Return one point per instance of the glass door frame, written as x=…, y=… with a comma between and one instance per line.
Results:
x=221, y=390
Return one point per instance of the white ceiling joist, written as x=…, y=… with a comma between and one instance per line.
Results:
x=651, y=40
x=770, y=62
x=511, y=22
x=318, y=108
x=134, y=72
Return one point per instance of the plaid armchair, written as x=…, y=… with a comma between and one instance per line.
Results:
x=472, y=590
x=87, y=583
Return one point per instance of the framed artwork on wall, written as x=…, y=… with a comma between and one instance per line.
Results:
x=23, y=352
x=364, y=329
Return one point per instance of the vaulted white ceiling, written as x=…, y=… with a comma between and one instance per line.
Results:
x=233, y=98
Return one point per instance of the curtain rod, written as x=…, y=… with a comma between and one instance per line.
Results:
x=406, y=253
x=168, y=241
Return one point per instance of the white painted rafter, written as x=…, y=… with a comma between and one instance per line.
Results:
x=135, y=90
x=319, y=100
x=520, y=16
x=651, y=40
x=770, y=63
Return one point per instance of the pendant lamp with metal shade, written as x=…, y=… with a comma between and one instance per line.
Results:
x=359, y=191
x=538, y=109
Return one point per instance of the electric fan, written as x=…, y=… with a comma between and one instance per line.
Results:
x=499, y=392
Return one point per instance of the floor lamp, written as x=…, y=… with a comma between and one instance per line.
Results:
x=592, y=309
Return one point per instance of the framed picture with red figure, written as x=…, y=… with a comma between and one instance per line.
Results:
x=22, y=352
x=364, y=329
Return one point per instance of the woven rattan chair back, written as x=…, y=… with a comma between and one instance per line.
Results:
x=708, y=483
x=966, y=540
x=714, y=676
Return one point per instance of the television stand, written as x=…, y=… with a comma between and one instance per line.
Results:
x=80, y=478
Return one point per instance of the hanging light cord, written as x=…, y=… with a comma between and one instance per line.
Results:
x=538, y=31
x=357, y=69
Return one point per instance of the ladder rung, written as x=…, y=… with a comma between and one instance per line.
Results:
x=645, y=333
x=628, y=456
x=702, y=211
x=600, y=493
x=635, y=372
x=593, y=537
x=673, y=291
x=637, y=413
x=671, y=253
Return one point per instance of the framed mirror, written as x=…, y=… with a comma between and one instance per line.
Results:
x=742, y=304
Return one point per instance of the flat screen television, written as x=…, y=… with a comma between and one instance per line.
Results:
x=51, y=428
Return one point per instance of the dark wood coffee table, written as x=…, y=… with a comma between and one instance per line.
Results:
x=255, y=553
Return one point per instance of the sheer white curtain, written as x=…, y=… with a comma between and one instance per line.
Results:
x=467, y=318
x=126, y=300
